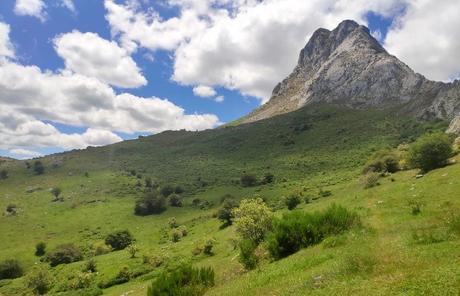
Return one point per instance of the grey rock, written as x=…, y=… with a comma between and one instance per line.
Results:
x=454, y=127
x=348, y=66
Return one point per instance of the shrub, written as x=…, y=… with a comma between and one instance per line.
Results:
x=253, y=219
x=100, y=249
x=56, y=191
x=296, y=230
x=64, y=254
x=10, y=269
x=183, y=230
x=167, y=190
x=184, y=280
x=39, y=169
x=81, y=280
x=225, y=212
x=40, y=249
x=132, y=250
x=248, y=180
x=370, y=179
x=39, y=280
x=247, y=255
x=268, y=178
x=3, y=174
x=292, y=201
x=119, y=240
x=430, y=152
x=152, y=203
x=90, y=266
x=175, y=200
x=11, y=209
x=176, y=235
x=172, y=222
x=208, y=246
x=179, y=190
x=382, y=162
x=324, y=193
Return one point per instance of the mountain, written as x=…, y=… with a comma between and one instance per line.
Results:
x=348, y=66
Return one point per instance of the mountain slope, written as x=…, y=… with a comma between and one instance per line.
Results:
x=348, y=66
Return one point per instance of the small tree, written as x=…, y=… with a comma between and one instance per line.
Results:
x=152, y=203
x=3, y=174
x=39, y=169
x=248, y=180
x=430, y=151
x=253, y=219
x=167, y=190
x=39, y=280
x=225, y=213
x=292, y=201
x=175, y=200
x=40, y=249
x=119, y=240
x=56, y=191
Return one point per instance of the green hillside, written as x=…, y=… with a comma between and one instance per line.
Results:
x=316, y=149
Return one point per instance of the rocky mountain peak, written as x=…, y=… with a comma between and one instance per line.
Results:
x=348, y=66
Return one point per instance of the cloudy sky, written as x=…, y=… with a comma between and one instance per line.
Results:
x=78, y=73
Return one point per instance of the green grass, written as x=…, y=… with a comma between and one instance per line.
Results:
x=382, y=258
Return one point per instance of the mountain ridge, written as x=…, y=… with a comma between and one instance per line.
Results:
x=348, y=66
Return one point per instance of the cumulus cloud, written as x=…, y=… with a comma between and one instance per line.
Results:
x=219, y=99
x=204, y=91
x=427, y=38
x=6, y=47
x=90, y=55
x=35, y=8
x=24, y=153
x=32, y=100
x=69, y=5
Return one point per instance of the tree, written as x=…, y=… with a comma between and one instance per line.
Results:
x=56, y=191
x=225, y=213
x=248, y=180
x=253, y=219
x=119, y=240
x=430, y=151
x=3, y=174
x=175, y=200
x=150, y=204
x=39, y=169
x=292, y=201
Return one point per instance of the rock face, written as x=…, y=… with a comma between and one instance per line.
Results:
x=348, y=66
x=454, y=127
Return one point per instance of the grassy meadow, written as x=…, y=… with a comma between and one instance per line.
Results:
x=396, y=251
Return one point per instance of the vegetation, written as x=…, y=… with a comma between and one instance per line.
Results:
x=10, y=269
x=247, y=255
x=151, y=203
x=430, y=151
x=64, y=254
x=292, y=200
x=225, y=213
x=383, y=161
x=298, y=230
x=39, y=169
x=40, y=249
x=185, y=280
x=253, y=219
x=39, y=281
x=248, y=180
x=119, y=240
x=175, y=200
x=3, y=174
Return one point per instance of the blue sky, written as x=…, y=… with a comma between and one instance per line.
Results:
x=192, y=43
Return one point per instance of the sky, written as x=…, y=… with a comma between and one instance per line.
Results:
x=78, y=73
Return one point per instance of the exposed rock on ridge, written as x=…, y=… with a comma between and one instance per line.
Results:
x=348, y=66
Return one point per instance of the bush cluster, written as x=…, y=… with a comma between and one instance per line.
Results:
x=185, y=280
x=151, y=203
x=384, y=161
x=225, y=212
x=10, y=269
x=292, y=200
x=119, y=240
x=63, y=254
x=296, y=230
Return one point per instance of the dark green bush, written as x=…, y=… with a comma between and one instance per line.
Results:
x=268, y=178
x=183, y=281
x=10, y=269
x=40, y=249
x=175, y=200
x=167, y=190
x=248, y=180
x=179, y=190
x=119, y=240
x=225, y=212
x=430, y=151
x=292, y=201
x=39, y=169
x=152, y=203
x=247, y=255
x=382, y=162
x=11, y=209
x=3, y=174
x=296, y=230
x=64, y=254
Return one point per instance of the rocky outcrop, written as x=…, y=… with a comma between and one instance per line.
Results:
x=454, y=127
x=348, y=66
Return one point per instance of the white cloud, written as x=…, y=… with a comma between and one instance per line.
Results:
x=247, y=45
x=24, y=153
x=204, y=91
x=427, y=38
x=6, y=47
x=35, y=8
x=69, y=5
x=92, y=56
x=219, y=99
x=31, y=100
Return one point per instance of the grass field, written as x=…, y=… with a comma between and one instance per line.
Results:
x=320, y=147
